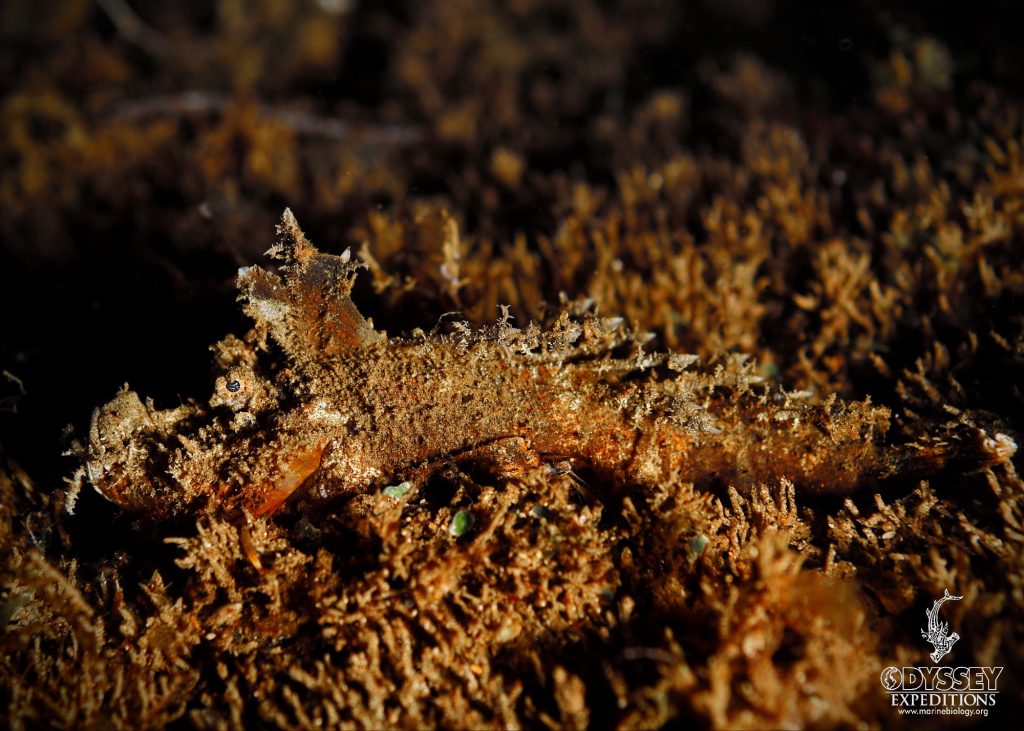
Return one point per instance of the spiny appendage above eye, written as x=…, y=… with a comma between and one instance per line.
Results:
x=307, y=311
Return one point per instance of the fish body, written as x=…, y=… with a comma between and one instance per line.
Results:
x=314, y=399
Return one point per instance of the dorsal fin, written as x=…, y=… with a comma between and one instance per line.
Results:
x=308, y=311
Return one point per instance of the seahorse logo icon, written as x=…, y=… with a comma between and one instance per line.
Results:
x=938, y=632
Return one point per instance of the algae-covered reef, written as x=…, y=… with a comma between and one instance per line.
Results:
x=655, y=364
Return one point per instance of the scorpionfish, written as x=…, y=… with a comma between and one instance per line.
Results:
x=314, y=401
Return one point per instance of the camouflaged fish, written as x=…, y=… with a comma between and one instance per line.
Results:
x=314, y=401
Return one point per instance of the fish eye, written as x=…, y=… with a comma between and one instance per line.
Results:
x=234, y=386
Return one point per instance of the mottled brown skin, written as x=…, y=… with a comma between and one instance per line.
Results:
x=353, y=409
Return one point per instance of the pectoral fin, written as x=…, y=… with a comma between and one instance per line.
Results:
x=298, y=467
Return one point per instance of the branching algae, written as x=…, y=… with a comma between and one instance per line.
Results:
x=314, y=401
